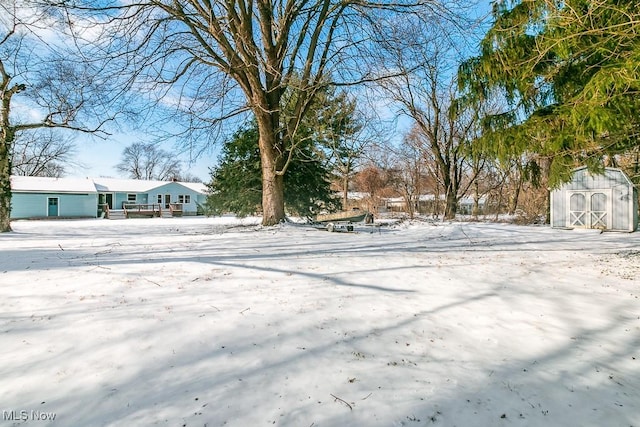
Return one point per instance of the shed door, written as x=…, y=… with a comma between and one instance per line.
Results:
x=590, y=209
x=577, y=210
x=598, y=213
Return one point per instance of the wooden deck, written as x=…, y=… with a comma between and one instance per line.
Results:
x=143, y=210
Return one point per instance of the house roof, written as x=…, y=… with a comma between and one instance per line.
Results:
x=92, y=185
x=37, y=184
x=196, y=186
x=126, y=185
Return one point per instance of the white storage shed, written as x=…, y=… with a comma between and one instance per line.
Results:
x=606, y=201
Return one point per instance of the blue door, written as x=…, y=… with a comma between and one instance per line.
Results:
x=52, y=206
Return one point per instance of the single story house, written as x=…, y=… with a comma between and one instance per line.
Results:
x=39, y=197
x=606, y=201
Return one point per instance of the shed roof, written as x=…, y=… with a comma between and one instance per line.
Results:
x=615, y=174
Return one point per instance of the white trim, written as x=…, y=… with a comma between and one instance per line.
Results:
x=587, y=212
x=551, y=207
x=107, y=193
x=632, y=206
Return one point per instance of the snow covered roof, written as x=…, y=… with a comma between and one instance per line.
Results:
x=195, y=186
x=57, y=185
x=126, y=185
x=37, y=184
x=468, y=200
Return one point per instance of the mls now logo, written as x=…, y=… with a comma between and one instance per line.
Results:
x=25, y=415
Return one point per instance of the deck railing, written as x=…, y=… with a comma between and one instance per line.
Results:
x=144, y=209
x=175, y=209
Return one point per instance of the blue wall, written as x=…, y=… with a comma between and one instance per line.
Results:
x=35, y=205
x=175, y=189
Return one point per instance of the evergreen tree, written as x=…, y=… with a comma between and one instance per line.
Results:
x=323, y=139
x=236, y=184
x=570, y=72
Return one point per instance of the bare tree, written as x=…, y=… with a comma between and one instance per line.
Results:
x=346, y=133
x=426, y=92
x=149, y=162
x=38, y=76
x=412, y=172
x=42, y=153
x=214, y=60
x=373, y=181
x=188, y=177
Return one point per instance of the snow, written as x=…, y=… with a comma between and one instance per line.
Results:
x=92, y=185
x=47, y=184
x=140, y=185
x=217, y=321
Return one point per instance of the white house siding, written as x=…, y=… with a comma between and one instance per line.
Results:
x=621, y=194
x=35, y=205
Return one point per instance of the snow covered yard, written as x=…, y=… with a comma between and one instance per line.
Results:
x=202, y=322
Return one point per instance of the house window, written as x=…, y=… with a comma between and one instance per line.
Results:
x=159, y=199
x=184, y=198
x=131, y=198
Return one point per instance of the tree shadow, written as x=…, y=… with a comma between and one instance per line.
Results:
x=271, y=338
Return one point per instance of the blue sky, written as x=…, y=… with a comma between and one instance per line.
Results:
x=99, y=157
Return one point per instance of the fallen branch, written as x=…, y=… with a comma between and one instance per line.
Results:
x=465, y=235
x=157, y=284
x=341, y=400
x=98, y=266
x=242, y=312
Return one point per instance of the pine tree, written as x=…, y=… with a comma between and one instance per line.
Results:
x=236, y=185
x=570, y=73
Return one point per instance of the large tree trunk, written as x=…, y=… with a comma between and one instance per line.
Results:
x=7, y=136
x=451, y=207
x=272, y=196
x=345, y=191
x=515, y=196
x=272, y=180
x=5, y=186
x=476, y=199
x=451, y=191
